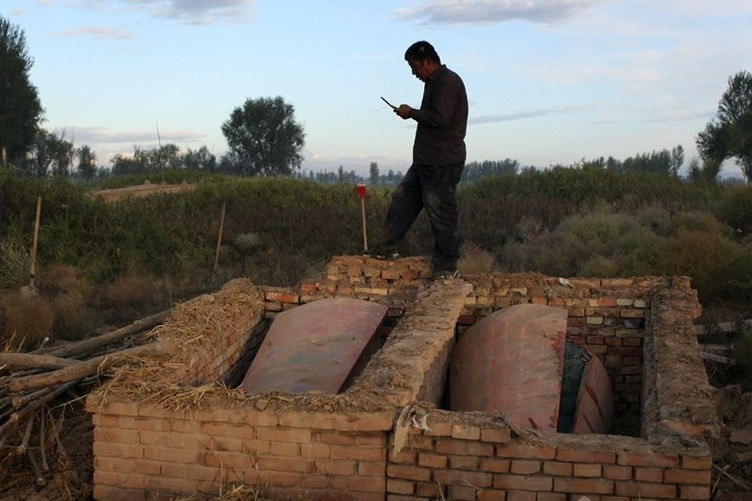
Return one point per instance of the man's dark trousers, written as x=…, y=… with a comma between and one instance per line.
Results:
x=433, y=188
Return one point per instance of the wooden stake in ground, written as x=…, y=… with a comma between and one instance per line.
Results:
x=36, y=237
x=219, y=239
x=362, y=195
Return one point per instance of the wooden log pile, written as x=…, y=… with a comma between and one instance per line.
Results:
x=31, y=382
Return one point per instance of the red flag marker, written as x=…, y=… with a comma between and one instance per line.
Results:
x=362, y=195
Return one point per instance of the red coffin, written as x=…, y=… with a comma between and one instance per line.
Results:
x=595, y=405
x=314, y=347
x=511, y=362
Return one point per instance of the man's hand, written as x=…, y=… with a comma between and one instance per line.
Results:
x=403, y=111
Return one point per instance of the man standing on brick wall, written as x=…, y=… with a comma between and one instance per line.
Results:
x=438, y=159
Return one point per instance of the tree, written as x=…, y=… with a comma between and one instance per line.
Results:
x=264, y=138
x=20, y=108
x=201, y=159
x=87, y=163
x=374, y=174
x=705, y=173
x=729, y=135
x=49, y=154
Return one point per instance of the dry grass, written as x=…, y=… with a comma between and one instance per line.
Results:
x=25, y=319
x=473, y=260
x=130, y=290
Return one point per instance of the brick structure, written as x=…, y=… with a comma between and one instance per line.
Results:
x=386, y=436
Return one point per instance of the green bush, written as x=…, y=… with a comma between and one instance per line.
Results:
x=15, y=266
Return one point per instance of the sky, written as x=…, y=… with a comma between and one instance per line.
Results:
x=549, y=81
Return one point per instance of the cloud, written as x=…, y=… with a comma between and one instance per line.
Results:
x=197, y=11
x=521, y=115
x=98, y=32
x=88, y=135
x=463, y=12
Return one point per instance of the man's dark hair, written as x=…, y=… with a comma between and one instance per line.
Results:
x=420, y=51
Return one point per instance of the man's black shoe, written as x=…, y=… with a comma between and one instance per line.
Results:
x=441, y=274
x=382, y=253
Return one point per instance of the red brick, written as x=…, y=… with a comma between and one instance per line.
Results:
x=372, y=439
x=360, y=484
x=285, y=449
x=557, y=469
x=114, y=464
x=408, y=472
x=494, y=465
x=525, y=467
x=462, y=492
x=118, y=450
x=516, y=450
x=647, y=459
x=283, y=297
x=372, y=468
x=551, y=496
x=645, y=490
x=522, y=482
x=617, y=472
x=496, y=435
x=687, y=477
x=521, y=496
x=339, y=467
x=429, y=490
x=464, y=447
x=337, y=438
x=403, y=457
x=314, y=481
x=118, y=494
x=392, y=274
x=173, y=455
x=463, y=462
x=298, y=435
x=694, y=492
x=364, y=453
x=192, y=471
x=489, y=495
x=296, y=465
x=649, y=475
x=696, y=462
x=474, y=478
x=441, y=429
x=314, y=450
x=583, y=486
x=228, y=460
x=396, y=486
x=227, y=430
x=587, y=470
x=255, y=447
x=465, y=432
x=116, y=435
x=120, y=408
x=585, y=455
x=432, y=460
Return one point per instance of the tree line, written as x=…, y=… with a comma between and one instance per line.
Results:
x=265, y=139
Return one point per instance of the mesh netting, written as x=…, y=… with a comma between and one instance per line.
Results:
x=575, y=359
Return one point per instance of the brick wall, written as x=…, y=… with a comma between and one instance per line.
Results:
x=143, y=452
x=478, y=457
x=184, y=434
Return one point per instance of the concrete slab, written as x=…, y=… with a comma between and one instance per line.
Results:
x=314, y=347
